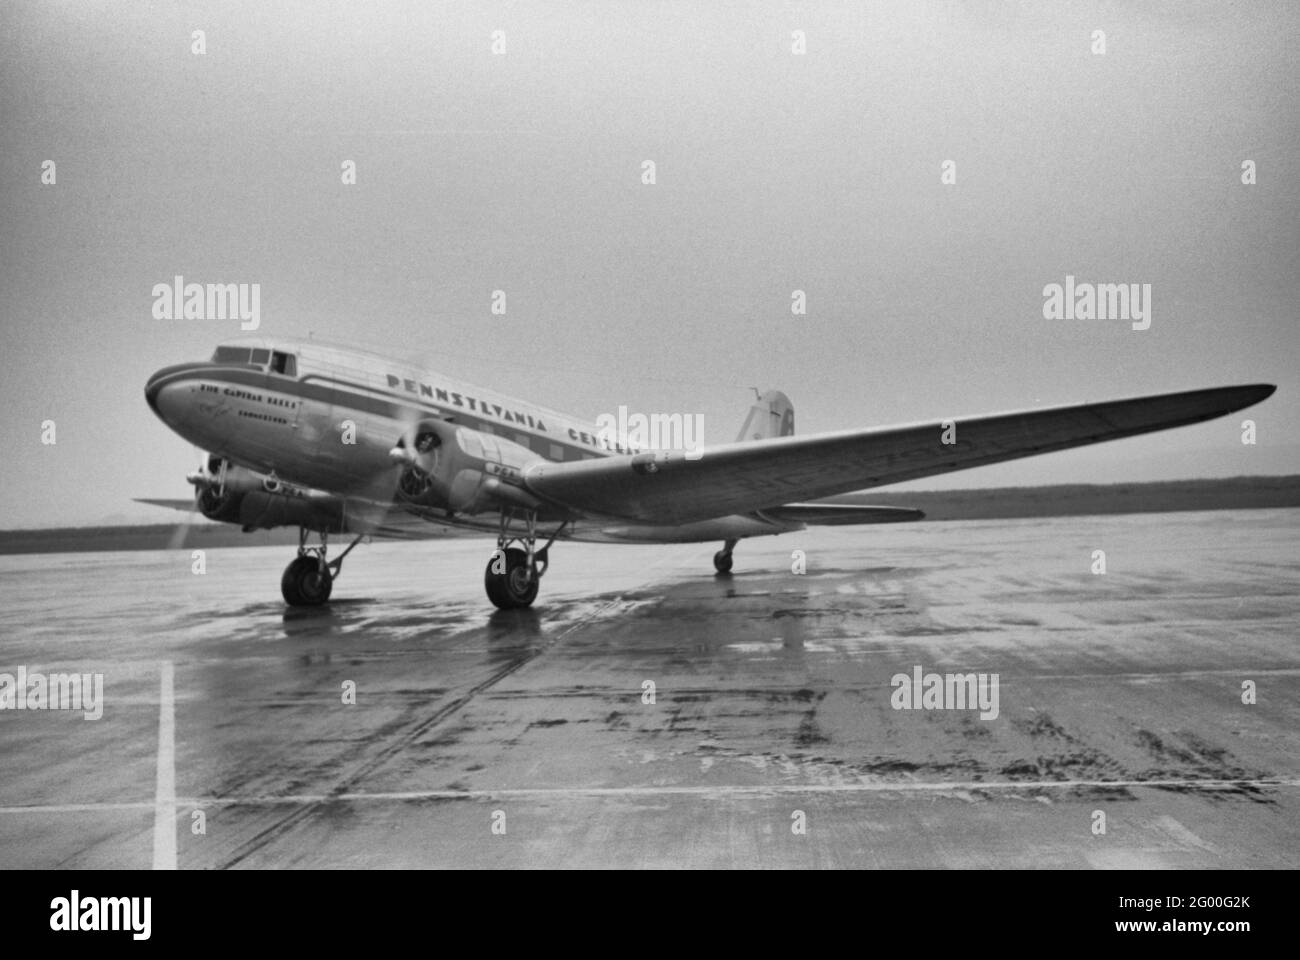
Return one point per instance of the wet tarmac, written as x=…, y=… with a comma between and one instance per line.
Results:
x=527, y=739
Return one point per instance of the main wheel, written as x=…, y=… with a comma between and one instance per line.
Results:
x=305, y=583
x=514, y=588
x=722, y=561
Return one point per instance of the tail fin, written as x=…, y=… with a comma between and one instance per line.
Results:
x=772, y=415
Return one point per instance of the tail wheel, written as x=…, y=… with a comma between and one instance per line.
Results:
x=722, y=561
x=306, y=583
x=509, y=580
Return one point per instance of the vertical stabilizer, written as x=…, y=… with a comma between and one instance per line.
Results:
x=772, y=415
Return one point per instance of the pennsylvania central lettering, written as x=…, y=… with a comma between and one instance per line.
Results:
x=462, y=400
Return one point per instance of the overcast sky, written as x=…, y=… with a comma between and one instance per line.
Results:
x=775, y=172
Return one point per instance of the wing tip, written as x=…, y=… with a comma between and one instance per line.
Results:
x=1249, y=394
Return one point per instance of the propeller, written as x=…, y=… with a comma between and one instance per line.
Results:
x=371, y=504
x=200, y=479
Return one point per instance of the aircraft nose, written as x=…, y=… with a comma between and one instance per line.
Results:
x=166, y=392
x=151, y=391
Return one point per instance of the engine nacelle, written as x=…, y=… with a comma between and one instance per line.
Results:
x=461, y=470
x=233, y=494
x=220, y=487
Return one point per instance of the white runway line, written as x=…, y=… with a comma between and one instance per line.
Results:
x=164, y=822
x=719, y=792
x=724, y=792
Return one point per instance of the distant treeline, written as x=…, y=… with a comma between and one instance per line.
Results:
x=152, y=536
x=1235, y=493
x=1079, y=499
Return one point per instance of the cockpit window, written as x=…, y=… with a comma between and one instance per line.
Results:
x=284, y=363
x=232, y=355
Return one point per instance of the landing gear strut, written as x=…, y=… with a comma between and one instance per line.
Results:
x=514, y=574
x=309, y=577
x=722, y=559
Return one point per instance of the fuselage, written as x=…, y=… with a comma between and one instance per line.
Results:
x=325, y=417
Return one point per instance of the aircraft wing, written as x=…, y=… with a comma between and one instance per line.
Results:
x=665, y=487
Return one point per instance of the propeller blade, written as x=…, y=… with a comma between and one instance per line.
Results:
x=200, y=479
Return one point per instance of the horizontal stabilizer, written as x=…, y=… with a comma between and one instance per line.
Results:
x=186, y=505
x=840, y=514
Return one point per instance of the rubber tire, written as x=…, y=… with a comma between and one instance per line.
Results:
x=722, y=562
x=304, y=584
x=514, y=589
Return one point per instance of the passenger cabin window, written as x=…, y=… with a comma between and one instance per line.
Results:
x=285, y=363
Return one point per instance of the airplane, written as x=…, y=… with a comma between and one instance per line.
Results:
x=337, y=440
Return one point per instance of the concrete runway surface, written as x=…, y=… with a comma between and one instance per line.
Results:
x=491, y=739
